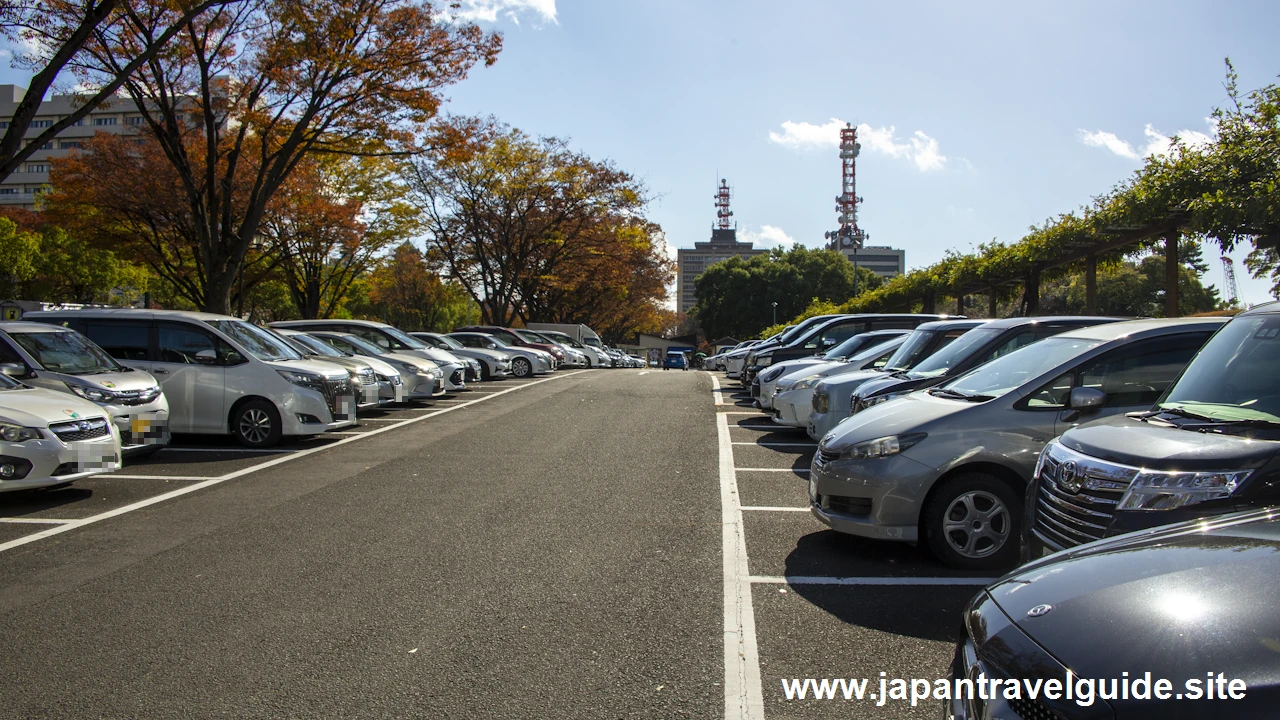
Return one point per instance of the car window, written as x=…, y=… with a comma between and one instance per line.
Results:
x=1020, y=340
x=833, y=336
x=895, y=323
x=1053, y=395
x=262, y=344
x=9, y=355
x=187, y=346
x=1021, y=366
x=121, y=340
x=1139, y=373
x=369, y=334
x=66, y=352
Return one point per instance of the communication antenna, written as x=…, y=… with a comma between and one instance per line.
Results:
x=1229, y=279
x=723, y=213
x=849, y=237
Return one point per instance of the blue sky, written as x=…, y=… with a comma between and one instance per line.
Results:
x=979, y=119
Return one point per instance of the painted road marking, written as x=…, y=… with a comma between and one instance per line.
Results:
x=209, y=482
x=225, y=450
x=782, y=470
x=114, y=476
x=35, y=521
x=772, y=508
x=743, y=696
x=818, y=580
x=778, y=445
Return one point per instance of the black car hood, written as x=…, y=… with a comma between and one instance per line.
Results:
x=1180, y=601
x=890, y=384
x=1130, y=441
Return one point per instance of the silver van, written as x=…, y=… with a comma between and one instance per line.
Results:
x=61, y=359
x=221, y=375
x=950, y=465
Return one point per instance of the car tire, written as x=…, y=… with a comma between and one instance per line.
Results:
x=521, y=367
x=256, y=424
x=973, y=521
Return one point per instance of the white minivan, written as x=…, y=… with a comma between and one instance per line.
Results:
x=221, y=375
x=63, y=360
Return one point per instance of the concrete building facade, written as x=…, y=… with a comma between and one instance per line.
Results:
x=690, y=263
x=22, y=187
x=879, y=259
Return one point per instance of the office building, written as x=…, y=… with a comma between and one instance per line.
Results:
x=879, y=259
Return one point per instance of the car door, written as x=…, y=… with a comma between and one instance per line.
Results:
x=128, y=341
x=186, y=363
x=1132, y=376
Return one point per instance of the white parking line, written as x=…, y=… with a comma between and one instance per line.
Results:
x=743, y=696
x=757, y=413
x=209, y=482
x=817, y=580
x=35, y=521
x=779, y=445
x=784, y=470
x=114, y=476
x=772, y=508
x=715, y=389
x=226, y=450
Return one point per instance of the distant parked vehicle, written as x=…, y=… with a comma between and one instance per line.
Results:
x=364, y=381
x=512, y=336
x=61, y=359
x=220, y=374
x=51, y=439
x=765, y=383
x=675, y=360
x=422, y=378
x=391, y=386
x=792, y=402
x=525, y=361
x=493, y=363
x=393, y=339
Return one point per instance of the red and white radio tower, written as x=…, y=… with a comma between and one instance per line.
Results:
x=723, y=213
x=849, y=236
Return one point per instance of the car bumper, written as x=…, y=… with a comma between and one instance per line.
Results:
x=306, y=412
x=51, y=462
x=878, y=498
x=793, y=407
x=142, y=430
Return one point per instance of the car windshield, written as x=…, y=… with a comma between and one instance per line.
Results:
x=8, y=383
x=402, y=340
x=501, y=341
x=254, y=340
x=956, y=352
x=877, y=350
x=314, y=346
x=66, y=352
x=911, y=352
x=593, y=342
x=1013, y=370
x=527, y=336
x=1235, y=376
x=449, y=342
x=364, y=346
x=851, y=346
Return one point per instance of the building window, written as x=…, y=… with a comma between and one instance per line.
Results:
x=8, y=191
x=37, y=168
x=133, y=120
x=30, y=190
x=68, y=145
x=4, y=124
x=41, y=123
x=47, y=146
x=79, y=123
x=104, y=121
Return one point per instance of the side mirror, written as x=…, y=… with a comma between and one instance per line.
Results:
x=11, y=369
x=1086, y=398
x=207, y=357
x=828, y=342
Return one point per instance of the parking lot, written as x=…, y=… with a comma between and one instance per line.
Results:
x=823, y=605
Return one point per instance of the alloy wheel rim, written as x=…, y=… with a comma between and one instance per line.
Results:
x=976, y=524
x=255, y=425
x=522, y=367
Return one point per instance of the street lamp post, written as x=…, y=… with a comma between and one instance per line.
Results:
x=775, y=313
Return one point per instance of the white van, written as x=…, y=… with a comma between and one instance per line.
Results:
x=221, y=374
x=63, y=360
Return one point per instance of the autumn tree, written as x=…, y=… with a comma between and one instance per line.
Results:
x=332, y=220
x=57, y=31
x=405, y=291
x=246, y=90
x=47, y=263
x=510, y=217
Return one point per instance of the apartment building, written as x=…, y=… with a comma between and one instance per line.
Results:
x=21, y=187
x=879, y=259
x=690, y=263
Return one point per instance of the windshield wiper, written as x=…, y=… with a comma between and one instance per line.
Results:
x=948, y=392
x=1241, y=422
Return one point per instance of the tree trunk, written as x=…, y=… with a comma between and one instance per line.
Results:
x=1171, y=275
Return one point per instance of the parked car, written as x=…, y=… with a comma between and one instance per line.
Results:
x=820, y=337
x=422, y=378
x=61, y=359
x=832, y=396
x=493, y=363
x=765, y=383
x=220, y=374
x=1211, y=445
x=512, y=337
x=949, y=466
x=1183, y=615
x=390, y=338
x=595, y=356
x=994, y=339
x=573, y=357
x=735, y=361
x=789, y=333
x=391, y=387
x=51, y=439
x=792, y=403
x=525, y=361
x=675, y=360
x=364, y=381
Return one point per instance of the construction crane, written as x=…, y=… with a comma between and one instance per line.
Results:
x=1229, y=279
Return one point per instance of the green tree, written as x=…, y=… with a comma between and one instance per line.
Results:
x=736, y=296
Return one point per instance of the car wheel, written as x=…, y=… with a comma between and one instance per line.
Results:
x=256, y=424
x=521, y=368
x=972, y=522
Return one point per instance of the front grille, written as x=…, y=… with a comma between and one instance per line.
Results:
x=367, y=376
x=1033, y=710
x=68, y=468
x=137, y=397
x=755, y=387
x=848, y=505
x=77, y=430
x=826, y=456
x=1067, y=518
x=457, y=378
x=393, y=379
x=337, y=396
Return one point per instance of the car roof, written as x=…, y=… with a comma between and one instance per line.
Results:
x=23, y=325
x=1147, y=326
x=951, y=324
x=1081, y=320
x=1269, y=308
x=348, y=321
x=132, y=313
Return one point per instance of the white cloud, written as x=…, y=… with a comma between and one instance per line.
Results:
x=768, y=236
x=1157, y=142
x=920, y=149
x=489, y=10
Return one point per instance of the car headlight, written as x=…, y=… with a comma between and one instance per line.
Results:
x=764, y=360
x=881, y=447
x=92, y=394
x=858, y=404
x=304, y=379
x=771, y=374
x=821, y=403
x=1157, y=490
x=426, y=371
x=806, y=383
x=16, y=433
